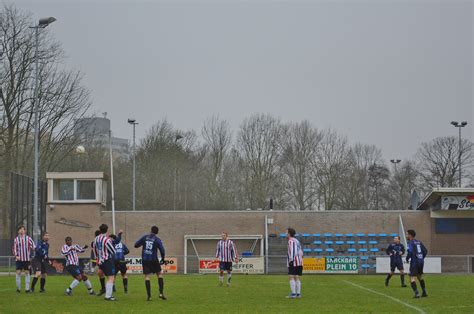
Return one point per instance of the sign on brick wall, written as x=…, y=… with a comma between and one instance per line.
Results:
x=337, y=264
x=134, y=265
x=246, y=265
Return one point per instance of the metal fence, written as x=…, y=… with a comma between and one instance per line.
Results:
x=450, y=264
x=21, y=203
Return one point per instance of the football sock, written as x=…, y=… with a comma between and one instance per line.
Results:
x=422, y=284
x=298, y=287
x=125, y=283
x=88, y=284
x=293, y=286
x=18, y=282
x=148, y=288
x=161, y=285
x=74, y=283
x=102, y=283
x=221, y=278
x=229, y=276
x=389, y=276
x=42, y=283
x=33, y=284
x=27, y=281
x=109, y=287
x=402, y=279
x=413, y=286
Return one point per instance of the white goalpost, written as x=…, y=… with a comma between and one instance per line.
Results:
x=253, y=263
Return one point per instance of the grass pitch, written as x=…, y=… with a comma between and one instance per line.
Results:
x=249, y=294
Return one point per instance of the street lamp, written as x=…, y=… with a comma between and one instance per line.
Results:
x=42, y=23
x=459, y=125
x=133, y=122
x=395, y=162
x=176, y=139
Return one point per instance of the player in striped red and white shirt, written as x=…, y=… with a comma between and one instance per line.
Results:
x=295, y=263
x=226, y=253
x=104, y=251
x=23, y=247
x=69, y=251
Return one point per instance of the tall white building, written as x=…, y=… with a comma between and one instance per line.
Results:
x=95, y=131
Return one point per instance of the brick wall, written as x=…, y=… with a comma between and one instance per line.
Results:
x=174, y=225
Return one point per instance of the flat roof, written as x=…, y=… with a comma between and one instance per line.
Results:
x=75, y=175
x=436, y=193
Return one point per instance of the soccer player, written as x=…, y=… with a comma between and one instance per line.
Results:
x=120, y=265
x=39, y=262
x=416, y=253
x=22, y=249
x=396, y=251
x=93, y=257
x=295, y=264
x=226, y=253
x=69, y=251
x=150, y=244
x=105, y=251
x=94, y=263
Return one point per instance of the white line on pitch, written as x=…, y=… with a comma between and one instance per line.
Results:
x=387, y=296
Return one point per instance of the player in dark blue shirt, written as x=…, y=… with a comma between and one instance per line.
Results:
x=150, y=244
x=396, y=250
x=416, y=253
x=39, y=262
x=120, y=264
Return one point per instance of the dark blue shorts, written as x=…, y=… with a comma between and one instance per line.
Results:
x=108, y=268
x=74, y=270
x=38, y=264
x=120, y=267
x=225, y=266
x=416, y=270
x=396, y=264
x=151, y=267
x=295, y=270
x=22, y=265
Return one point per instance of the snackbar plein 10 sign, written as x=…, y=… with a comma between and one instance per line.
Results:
x=328, y=264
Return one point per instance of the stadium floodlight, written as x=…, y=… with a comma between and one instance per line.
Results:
x=459, y=125
x=46, y=21
x=395, y=162
x=42, y=23
x=133, y=122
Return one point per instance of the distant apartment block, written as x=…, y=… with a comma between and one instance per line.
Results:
x=95, y=132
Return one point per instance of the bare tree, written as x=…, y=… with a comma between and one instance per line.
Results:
x=378, y=186
x=331, y=163
x=217, y=140
x=259, y=145
x=299, y=146
x=61, y=100
x=356, y=179
x=402, y=183
x=438, y=161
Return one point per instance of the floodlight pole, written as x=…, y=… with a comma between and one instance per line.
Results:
x=36, y=227
x=459, y=125
x=133, y=122
x=112, y=194
x=176, y=139
x=395, y=162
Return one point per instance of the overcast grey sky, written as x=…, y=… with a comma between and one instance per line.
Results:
x=389, y=73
